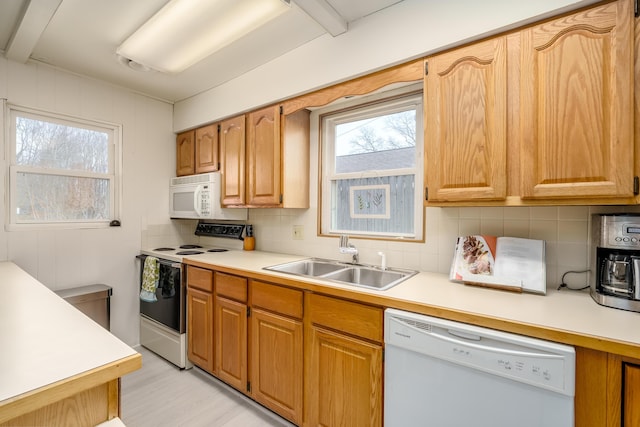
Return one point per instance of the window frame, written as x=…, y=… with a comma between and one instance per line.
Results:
x=383, y=103
x=113, y=175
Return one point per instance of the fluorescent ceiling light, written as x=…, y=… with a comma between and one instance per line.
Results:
x=185, y=32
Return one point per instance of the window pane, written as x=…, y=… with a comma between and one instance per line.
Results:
x=56, y=146
x=376, y=205
x=377, y=143
x=50, y=198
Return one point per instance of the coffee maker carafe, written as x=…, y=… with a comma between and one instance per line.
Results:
x=615, y=264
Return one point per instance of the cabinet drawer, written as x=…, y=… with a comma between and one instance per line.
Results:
x=275, y=298
x=232, y=287
x=346, y=316
x=200, y=278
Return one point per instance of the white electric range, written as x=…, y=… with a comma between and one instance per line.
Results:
x=163, y=316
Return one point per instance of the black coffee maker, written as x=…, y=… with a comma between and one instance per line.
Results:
x=615, y=264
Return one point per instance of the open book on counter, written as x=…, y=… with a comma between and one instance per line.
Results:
x=509, y=263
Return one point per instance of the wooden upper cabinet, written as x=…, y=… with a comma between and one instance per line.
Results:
x=197, y=151
x=185, y=162
x=466, y=123
x=232, y=155
x=264, y=157
x=576, y=105
x=206, y=149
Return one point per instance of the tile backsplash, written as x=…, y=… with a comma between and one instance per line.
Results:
x=565, y=229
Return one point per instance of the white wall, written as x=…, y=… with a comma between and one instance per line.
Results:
x=68, y=258
x=407, y=30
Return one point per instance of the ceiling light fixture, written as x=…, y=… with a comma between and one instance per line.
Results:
x=185, y=32
x=133, y=64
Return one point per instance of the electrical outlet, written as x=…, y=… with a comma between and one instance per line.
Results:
x=298, y=232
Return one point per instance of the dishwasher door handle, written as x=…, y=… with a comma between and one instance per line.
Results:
x=464, y=335
x=494, y=347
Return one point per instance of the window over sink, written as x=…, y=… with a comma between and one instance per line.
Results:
x=371, y=167
x=63, y=170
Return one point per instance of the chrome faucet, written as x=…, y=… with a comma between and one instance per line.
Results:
x=347, y=248
x=383, y=264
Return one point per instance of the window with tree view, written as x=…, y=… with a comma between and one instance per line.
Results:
x=372, y=161
x=62, y=170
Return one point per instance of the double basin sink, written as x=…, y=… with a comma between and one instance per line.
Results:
x=360, y=275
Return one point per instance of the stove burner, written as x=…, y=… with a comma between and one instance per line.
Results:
x=190, y=247
x=217, y=250
x=164, y=249
x=189, y=252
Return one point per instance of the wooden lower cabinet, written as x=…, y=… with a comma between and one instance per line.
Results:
x=315, y=360
x=230, y=330
x=276, y=363
x=344, y=384
x=631, y=394
x=200, y=328
x=200, y=318
x=276, y=348
x=231, y=342
x=343, y=352
x=607, y=389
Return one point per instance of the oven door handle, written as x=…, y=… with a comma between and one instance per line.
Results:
x=171, y=264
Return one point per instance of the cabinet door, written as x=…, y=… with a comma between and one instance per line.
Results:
x=466, y=123
x=206, y=158
x=344, y=381
x=232, y=154
x=631, y=403
x=576, y=111
x=231, y=342
x=185, y=164
x=276, y=363
x=263, y=157
x=200, y=328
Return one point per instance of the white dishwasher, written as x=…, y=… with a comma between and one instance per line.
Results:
x=448, y=374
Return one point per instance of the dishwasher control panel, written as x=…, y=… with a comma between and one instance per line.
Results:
x=519, y=358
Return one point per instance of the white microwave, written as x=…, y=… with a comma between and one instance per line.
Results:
x=198, y=197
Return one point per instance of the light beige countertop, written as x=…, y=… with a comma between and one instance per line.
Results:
x=46, y=342
x=565, y=316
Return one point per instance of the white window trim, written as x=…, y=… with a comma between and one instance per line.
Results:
x=115, y=176
x=405, y=96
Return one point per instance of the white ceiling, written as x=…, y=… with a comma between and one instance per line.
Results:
x=82, y=37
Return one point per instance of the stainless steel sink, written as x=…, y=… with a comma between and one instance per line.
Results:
x=367, y=276
x=308, y=267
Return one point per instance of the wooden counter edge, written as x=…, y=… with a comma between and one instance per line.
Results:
x=51, y=393
x=621, y=348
